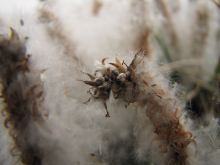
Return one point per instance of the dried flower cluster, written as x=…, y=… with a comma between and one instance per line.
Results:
x=115, y=83
x=21, y=96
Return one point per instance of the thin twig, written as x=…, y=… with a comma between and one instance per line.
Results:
x=193, y=93
x=181, y=63
x=202, y=83
x=200, y=73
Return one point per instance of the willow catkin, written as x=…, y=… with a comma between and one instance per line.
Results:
x=22, y=93
x=136, y=84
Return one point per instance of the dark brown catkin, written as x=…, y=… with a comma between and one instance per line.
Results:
x=21, y=96
x=135, y=84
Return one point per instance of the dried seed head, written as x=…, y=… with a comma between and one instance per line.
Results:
x=120, y=80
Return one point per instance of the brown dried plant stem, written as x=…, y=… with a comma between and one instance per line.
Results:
x=57, y=33
x=21, y=98
x=217, y=3
x=169, y=26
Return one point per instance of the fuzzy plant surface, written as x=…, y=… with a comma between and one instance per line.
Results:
x=136, y=84
x=90, y=82
x=21, y=94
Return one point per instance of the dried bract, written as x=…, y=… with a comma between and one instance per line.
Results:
x=121, y=81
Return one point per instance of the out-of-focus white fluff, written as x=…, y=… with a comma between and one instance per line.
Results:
x=71, y=125
x=77, y=130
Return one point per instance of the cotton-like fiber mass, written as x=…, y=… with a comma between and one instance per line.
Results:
x=108, y=82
